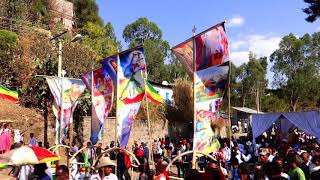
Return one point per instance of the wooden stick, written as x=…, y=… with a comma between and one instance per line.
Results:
x=194, y=98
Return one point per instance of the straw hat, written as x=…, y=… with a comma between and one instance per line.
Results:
x=105, y=161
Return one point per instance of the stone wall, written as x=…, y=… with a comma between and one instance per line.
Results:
x=139, y=131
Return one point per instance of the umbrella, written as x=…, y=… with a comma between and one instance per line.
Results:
x=27, y=155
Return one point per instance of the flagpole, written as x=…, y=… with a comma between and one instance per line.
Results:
x=117, y=108
x=148, y=118
x=61, y=112
x=92, y=93
x=117, y=99
x=194, y=98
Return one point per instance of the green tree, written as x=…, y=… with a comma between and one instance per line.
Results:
x=8, y=42
x=101, y=39
x=141, y=30
x=296, y=67
x=313, y=10
x=145, y=32
x=252, y=81
x=273, y=101
x=35, y=11
x=87, y=11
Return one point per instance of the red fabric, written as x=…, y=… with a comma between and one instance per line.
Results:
x=127, y=161
x=140, y=152
x=42, y=153
x=164, y=174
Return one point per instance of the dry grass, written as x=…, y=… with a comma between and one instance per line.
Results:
x=25, y=119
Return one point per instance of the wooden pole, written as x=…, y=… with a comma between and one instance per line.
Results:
x=194, y=157
x=229, y=103
x=148, y=120
x=117, y=99
x=117, y=107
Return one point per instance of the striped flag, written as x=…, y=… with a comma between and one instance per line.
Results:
x=152, y=94
x=6, y=93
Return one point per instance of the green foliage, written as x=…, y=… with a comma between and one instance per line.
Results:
x=313, y=10
x=252, y=81
x=100, y=39
x=87, y=11
x=141, y=30
x=156, y=51
x=8, y=41
x=273, y=102
x=160, y=64
x=296, y=68
x=26, y=10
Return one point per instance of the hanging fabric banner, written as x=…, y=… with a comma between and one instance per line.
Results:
x=101, y=101
x=184, y=52
x=72, y=90
x=110, y=66
x=8, y=94
x=211, y=77
x=131, y=91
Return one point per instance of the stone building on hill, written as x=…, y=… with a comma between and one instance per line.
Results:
x=63, y=11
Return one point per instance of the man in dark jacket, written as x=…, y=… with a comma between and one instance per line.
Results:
x=315, y=172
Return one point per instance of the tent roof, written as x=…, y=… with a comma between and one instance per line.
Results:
x=308, y=121
x=247, y=110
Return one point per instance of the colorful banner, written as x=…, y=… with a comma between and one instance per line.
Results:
x=101, y=101
x=8, y=94
x=110, y=66
x=153, y=95
x=211, y=48
x=131, y=91
x=72, y=90
x=210, y=85
x=184, y=52
x=211, y=76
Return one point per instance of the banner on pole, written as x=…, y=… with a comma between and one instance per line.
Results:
x=72, y=90
x=131, y=91
x=101, y=101
x=211, y=78
x=210, y=85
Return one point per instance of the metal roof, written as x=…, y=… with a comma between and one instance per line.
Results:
x=247, y=110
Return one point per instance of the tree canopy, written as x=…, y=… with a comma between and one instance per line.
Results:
x=313, y=10
x=161, y=65
x=296, y=68
x=141, y=30
x=86, y=11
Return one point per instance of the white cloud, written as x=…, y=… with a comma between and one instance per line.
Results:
x=263, y=45
x=318, y=28
x=237, y=45
x=259, y=44
x=236, y=20
x=239, y=57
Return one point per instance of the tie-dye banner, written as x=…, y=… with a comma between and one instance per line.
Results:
x=72, y=90
x=211, y=76
x=102, y=98
x=110, y=66
x=131, y=91
x=184, y=52
x=210, y=85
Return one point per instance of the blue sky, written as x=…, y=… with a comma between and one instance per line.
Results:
x=253, y=25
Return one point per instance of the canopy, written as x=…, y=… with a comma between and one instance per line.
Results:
x=308, y=121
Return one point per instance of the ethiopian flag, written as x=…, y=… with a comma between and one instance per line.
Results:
x=153, y=95
x=6, y=93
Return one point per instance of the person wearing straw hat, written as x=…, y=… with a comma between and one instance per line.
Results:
x=106, y=165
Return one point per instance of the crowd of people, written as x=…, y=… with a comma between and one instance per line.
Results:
x=296, y=157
